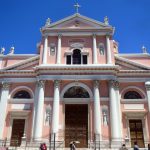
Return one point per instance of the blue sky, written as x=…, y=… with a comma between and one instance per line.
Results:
x=20, y=21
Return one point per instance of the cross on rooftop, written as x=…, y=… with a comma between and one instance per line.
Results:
x=77, y=7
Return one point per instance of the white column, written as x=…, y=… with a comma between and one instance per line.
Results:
x=59, y=50
x=38, y=124
x=94, y=49
x=55, y=116
x=3, y=106
x=109, y=61
x=34, y=109
x=119, y=107
x=44, y=61
x=147, y=85
x=116, y=137
x=97, y=112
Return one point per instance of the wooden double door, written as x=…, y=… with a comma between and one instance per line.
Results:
x=17, y=132
x=76, y=124
x=136, y=133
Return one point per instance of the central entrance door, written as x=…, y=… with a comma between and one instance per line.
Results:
x=76, y=124
x=136, y=133
x=17, y=132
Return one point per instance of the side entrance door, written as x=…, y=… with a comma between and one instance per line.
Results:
x=136, y=133
x=76, y=124
x=17, y=132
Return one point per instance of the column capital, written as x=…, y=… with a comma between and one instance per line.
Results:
x=114, y=83
x=96, y=83
x=59, y=35
x=94, y=35
x=5, y=85
x=108, y=34
x=41, y=83
x=147, y=87
x=45, y=36
x=56, y=83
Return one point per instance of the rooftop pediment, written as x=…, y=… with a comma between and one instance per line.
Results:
x=76, y=21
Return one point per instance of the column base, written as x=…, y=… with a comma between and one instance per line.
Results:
x=116, y=143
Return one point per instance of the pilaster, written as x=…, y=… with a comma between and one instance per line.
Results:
x=109, y=59
x=94, y=49
x=59, y=49
x=44, y=61
x=147, y=85
x=3, y=106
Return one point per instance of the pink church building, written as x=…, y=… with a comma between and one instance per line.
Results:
x=78, y=87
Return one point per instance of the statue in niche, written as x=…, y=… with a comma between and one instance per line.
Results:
x=101, y=49
x=105, y=117
x=47, y=116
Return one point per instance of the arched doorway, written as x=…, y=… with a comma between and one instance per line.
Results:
x=76, y=118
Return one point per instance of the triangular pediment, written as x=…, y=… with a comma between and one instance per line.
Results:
x=126, y=64
x=26, y=64
x=77, y=21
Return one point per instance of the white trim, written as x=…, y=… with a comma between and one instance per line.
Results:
x=20, y=88
x=77, y=15
x=20, y=101
x=133, y=87
x=133, y=101
x=18, y=55
x=137, y=117
x=125, y=60
x=76, y=84
x=21, y=63
x=20, y=115
x=134, y=55
x=133, y=79
x=16, y=80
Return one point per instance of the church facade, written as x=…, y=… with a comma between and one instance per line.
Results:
x=76, y=88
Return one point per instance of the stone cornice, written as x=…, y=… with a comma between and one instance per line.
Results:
x=22, y=63
x=18, y=55
x=19, y=73
x=135, y=64
x=134, y=73
x=139, y=55
x=77, y=15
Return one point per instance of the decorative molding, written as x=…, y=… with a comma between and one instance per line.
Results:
x=75, y=84
x=135, y=88
x=147, y=85
x=96, y=84
x=21, y=88
x=41, y=83
x=114, y=83
x=20, y=101
x=125, y=60
x=77, y=15
x=23, y=62
x=56, y=83
x=5, y=85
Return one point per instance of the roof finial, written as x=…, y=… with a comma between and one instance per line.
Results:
x=48, y=22
x=106, y=20
x=12, y=49
x=77, y=7
x=2, y=50
x=144, y=49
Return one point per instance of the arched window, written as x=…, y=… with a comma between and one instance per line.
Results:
x=76, y=92
x=132, y=95
x=22, y=94
x=76, y=56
